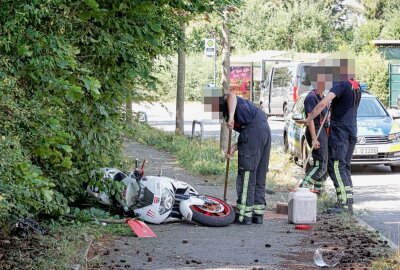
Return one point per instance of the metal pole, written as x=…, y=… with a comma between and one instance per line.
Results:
x=215, y=64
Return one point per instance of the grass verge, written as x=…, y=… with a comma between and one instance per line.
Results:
x=207, y=159
x=66, y=244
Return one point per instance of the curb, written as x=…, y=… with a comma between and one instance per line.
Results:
x=369, y=228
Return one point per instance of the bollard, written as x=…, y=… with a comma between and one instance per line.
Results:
x=141, y=117
x=201, y=129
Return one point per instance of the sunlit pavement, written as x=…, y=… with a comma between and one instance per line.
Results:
x=377, y=199
x=163, y=116
x=376, y=188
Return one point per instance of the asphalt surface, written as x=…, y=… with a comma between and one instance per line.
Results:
x=377, y=199
x=376, y=188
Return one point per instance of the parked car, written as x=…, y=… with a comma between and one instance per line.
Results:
x=285, y=83
x=378, y=140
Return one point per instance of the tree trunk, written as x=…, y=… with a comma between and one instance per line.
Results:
x=180, y=90
x=129, y=112
x=226, y=62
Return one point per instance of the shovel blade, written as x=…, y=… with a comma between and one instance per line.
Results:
x=140, y=228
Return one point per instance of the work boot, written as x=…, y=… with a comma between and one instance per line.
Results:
x=245, y=221
x=350, y=208
x=257, y=219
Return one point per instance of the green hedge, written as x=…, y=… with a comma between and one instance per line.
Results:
x=66, y=66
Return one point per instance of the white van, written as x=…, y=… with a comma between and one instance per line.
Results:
x=285, y=83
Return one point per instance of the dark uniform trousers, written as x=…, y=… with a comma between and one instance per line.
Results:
x=254, y=145
x=316, y=174
x=341, y=146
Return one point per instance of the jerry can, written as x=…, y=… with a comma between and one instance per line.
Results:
x=302, y=206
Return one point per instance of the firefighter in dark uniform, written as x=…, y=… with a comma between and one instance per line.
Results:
x=254, y=145
x=344, y=97
x=316, y=174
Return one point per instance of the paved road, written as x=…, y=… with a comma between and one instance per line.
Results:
x=377, y=196
x=163, y=117
x=376, y=188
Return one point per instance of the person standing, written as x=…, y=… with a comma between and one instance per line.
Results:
x=344, y=97
x=254, y=146
x=316, y=174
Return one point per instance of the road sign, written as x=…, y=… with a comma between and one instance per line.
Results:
x=209, y=47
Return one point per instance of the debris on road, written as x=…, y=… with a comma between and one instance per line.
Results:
x=326, y=257
x=26, y=226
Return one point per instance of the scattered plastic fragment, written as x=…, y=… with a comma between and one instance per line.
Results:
x=321, y=257
x=303, y=227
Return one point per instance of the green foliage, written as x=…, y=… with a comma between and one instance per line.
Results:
x=64, y=246
x=391, y=29
x=66, y=66
x=92, y=214
x=377, y=9
x=202, y=28
x=364, y=34
x=199, y=73
x=307, y=26
x=372, y=69
x=23, y=187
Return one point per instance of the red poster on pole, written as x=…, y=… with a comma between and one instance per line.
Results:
x=240, y=77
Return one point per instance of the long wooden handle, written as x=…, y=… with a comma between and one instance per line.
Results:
x=227, y=163
x=310, y=153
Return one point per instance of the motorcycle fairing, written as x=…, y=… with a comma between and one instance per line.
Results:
x=155, y=185
x=185, y=204
x=111, y=173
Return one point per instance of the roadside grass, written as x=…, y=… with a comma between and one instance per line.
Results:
x=200, y=158
x=207, y=159
x=283, y=172
x=65, y=245
x=390, y=263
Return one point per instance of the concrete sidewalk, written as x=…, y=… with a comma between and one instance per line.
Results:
x=275, y=244
x=188, y=246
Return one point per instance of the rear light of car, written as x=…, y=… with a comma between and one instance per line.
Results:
x=295, y=92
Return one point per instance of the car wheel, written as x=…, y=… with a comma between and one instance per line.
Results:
x=285, y=113
x=285, y=143
x=395, y=168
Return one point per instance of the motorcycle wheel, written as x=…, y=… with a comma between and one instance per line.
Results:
x=214, y=213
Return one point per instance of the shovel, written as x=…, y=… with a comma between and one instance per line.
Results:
x=227, y=164
x=310, y=153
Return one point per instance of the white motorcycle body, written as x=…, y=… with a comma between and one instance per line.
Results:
x=167, y=206
x=159, y=199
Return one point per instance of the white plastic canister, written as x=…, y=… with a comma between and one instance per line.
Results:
x=302, y=206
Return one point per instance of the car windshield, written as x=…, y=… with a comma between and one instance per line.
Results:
x=370, y=107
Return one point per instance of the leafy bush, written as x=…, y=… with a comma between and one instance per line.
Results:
x=372, y=69
x=23, y=188
x=391, y=28
x=364, y=34
x=65, y=69
x=308, y=26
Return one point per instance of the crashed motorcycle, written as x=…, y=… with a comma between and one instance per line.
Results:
x=160, y=199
